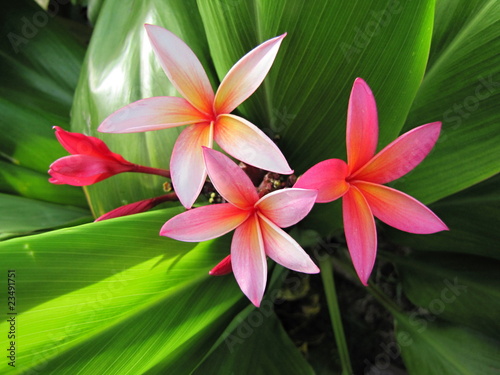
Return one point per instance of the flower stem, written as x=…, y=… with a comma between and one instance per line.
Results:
x=151, y=170
x=333, y=308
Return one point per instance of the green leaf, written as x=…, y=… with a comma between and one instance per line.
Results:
x=471, y=215
x=120, y=67
x=461, y=88
x=440, y=348
x=464, y=289
x=39, y=66
x=329, y=44
x=114, y=297
x=30, y=184
x=256, y=344
x=23, y=215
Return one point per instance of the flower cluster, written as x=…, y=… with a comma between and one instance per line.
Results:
x=257, y=217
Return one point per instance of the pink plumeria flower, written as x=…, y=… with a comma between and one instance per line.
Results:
x=208, y=113
x=91, y=161
x=257, y=223
x=359, y=182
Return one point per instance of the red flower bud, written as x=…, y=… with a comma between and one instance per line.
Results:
x=91, y=160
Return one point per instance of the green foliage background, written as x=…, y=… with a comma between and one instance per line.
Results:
x=113, y=297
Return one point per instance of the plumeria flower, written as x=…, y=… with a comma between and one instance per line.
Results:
x=257, y=222
x=359, y=181
x=208, y=113
x=91, y=161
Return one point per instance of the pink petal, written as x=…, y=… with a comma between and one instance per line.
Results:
x=186, y=165
x=362, y=125
x=244, y=141
x=287, y=207
x=328, y=178
x=83, y=170
x=229, y=180
x=246, y=75
x=360, y=233
x=283, y=249
x=182, y=68
x=400, y=156
x=81, y=144
x=55, y=181
x=249, y=260
x=223, y=268
x=137, y=207
x=155, y=113
x=204, y=223
x=399, y=210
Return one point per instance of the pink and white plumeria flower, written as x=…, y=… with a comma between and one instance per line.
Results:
x=359, y=181
x=257, y=223
x=208, y=113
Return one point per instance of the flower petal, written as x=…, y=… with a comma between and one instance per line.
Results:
x=223, y=268
x=83, y=170
x=186, y=165
x=360, y=232
x=362, y=125
x=399, y=210
x=246, y=75
x=137, y=207
x=283, y=249
x=128, y=209
x=230, y=180
x=249, y=260
x=328, y=178
x=244, y=141
x=152, y=114
x=204, y=223
x=400, y=156
x=287, y=207
x=81, y=144
x=182, y=67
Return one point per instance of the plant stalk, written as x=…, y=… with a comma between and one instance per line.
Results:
x=333, y=308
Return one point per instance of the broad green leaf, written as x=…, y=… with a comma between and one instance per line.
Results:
x=461, y=88
x=257, y=344
x=94, y=7
x=24, y=215
x=329, y=43
x=30, y=184
x=113, y=297
x=464, y=289
x=451, y=17
x=471, y=215
x=120, y=67
x=440, y=348
x=39, y=66
x=256, y=333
